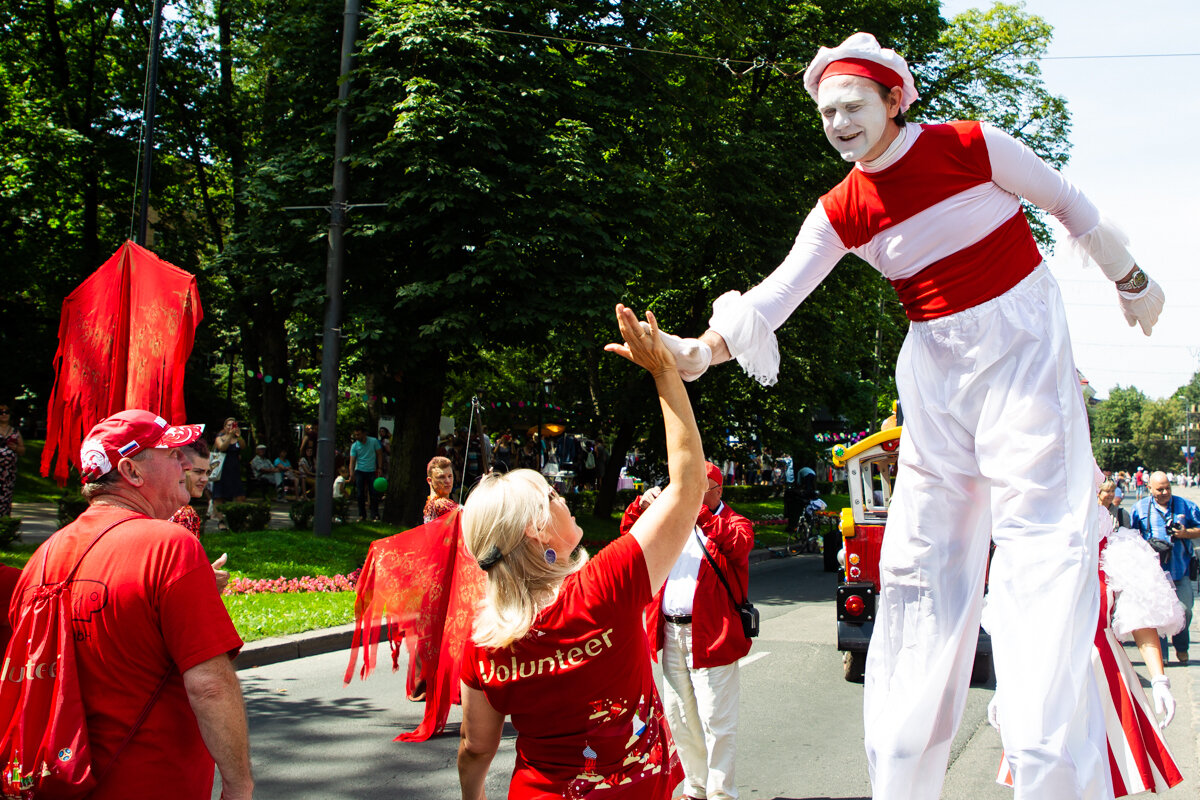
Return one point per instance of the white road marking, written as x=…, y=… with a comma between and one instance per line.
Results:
x=751, y=659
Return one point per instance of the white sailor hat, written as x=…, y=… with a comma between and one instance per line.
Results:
x=861, y=55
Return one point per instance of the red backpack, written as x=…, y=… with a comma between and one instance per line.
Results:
x=44, y=749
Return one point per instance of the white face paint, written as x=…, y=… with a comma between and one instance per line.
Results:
x=856, y=119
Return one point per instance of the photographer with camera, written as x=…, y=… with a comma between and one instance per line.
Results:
x=1169, y=524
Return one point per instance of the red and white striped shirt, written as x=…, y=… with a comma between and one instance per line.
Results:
x=941, y=220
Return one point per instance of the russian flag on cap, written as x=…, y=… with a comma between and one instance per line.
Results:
x=129, y=449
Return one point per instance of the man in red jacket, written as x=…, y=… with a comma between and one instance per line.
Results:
x=694, y=621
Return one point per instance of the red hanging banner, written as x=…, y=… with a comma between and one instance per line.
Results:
x=123, y=341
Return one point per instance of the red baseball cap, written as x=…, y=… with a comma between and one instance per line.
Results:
x=126, y=433
x=714, y=473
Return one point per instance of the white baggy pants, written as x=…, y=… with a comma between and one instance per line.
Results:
x=701, y=707
x=995, y=443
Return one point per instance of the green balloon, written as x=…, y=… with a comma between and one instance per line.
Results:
x=381, y=485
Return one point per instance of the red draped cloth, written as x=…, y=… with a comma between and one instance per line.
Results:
x=123, y=340
x=425, y=586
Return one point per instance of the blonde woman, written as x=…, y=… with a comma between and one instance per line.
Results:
x=558, y=642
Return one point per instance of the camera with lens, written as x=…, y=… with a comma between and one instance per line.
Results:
x=1174, y=527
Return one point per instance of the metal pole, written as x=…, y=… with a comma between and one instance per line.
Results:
x=148, y=123
x=330, y=341
x=1187, y=455
x=541, y=439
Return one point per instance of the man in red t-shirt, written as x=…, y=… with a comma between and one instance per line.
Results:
x=694, y=621
x=147, y=606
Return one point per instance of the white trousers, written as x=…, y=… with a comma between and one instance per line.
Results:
x=701, y=706
x=995, y=443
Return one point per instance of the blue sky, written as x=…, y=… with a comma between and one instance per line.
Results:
x=1136, y=154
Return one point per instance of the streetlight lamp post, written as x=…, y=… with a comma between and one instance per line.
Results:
x=1188, y=449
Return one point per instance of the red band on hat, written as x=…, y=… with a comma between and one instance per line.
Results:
x=714, y=473
x=864, y=68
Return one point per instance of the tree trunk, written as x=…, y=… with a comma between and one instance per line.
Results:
x=418, y=412
x=276, y=413
x=252, y=363
x=606, y=496
x=231, y=122
x=630, y=411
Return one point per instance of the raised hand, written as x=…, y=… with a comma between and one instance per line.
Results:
x=643, y=347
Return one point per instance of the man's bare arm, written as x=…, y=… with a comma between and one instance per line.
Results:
x=215, y=695
x=720, y=350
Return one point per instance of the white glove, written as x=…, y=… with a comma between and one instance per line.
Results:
x=692, y=356
x=1143, y=307
x=1164, y=701
x=994, y=714
x=649, y=496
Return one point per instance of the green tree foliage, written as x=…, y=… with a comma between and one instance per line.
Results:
x=1130, y=430
x=1155, y=434
x=987, y=68
x=537, y=163
x=1113, y=423
x=67, y=158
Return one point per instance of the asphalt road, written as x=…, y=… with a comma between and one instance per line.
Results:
x=800, y=736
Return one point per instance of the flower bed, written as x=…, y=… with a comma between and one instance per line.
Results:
x=309, y=583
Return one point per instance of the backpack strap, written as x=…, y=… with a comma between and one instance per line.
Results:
x=161, y=684
x=86, y=550
x=158, y=690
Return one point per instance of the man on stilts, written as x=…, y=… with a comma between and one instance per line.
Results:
x=996, y=444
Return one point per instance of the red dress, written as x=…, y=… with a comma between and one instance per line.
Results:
x=188, y=518
x=580, y=690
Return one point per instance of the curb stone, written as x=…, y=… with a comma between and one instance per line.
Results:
x=274, y=649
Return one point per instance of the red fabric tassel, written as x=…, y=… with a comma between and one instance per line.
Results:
x=123, y=341
x=426, y=586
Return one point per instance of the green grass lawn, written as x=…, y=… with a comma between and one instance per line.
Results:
x=296, y=554
x=258, y=616
x=292, y=554
x=31, y=487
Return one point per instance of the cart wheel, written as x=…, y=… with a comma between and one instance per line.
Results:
x=853, y=666
x=981, y=670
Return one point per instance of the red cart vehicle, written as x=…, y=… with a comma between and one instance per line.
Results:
x=871, y=474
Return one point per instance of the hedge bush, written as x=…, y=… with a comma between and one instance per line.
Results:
x=248, y=516
x=8, y=530
x=302, y=512
x=747, y=494
x=341, y=508
x=200, y=506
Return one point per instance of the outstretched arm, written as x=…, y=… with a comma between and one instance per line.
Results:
x=716, y=342
x=663, y=529
x=1017, y=169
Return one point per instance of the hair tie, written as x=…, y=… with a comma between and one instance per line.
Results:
x=490, y=558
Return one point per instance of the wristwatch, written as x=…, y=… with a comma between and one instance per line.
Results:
x=1137, y=281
